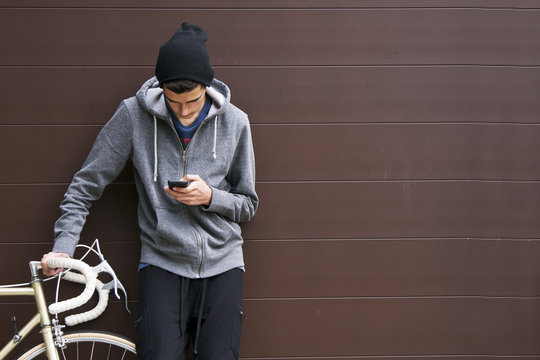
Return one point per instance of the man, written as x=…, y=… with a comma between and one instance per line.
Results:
x=180, y=125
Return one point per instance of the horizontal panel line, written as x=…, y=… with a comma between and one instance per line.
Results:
x=438, y=297
x=312, y=124
x=475, y=238
x=54, y=125
x=411, y=297
x=293, y=240
x=294, y=182
x=427, y=239
x=314, y=182
x=393, y=123
x=46, y=242
x=27, y=302
x=408, y=181
x=269, y=66
x=404, y=239
x=296, y=8
x=411, y=356
x=58, y=183
x=382, y=357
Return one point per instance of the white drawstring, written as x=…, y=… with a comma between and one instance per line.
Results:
x=214, y=153
x=155, y=150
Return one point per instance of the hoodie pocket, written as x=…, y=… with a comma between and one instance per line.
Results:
x=144, y=337
x=220, y=230
x=175, y=234
x=237, y=331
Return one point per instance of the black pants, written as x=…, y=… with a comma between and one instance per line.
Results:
x=175, y=311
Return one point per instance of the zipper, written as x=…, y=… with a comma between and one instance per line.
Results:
x=183, y=162
x=195, y=230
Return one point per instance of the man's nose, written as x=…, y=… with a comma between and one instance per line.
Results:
x=184, y=110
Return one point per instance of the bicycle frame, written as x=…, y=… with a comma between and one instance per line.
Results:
x=41, y=317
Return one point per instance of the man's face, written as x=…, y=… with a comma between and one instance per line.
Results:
x=186, y=106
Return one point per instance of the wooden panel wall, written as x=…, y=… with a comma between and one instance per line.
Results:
x=398, y=157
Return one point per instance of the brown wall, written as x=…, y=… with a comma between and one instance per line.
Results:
x=398, y=163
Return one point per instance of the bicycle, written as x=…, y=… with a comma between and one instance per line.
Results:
x=56, y=344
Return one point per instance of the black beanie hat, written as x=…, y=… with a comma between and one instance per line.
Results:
x=184, y=57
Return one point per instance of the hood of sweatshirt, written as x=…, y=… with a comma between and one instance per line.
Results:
x=150, y=97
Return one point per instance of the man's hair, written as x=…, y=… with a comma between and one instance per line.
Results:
x=180, y=86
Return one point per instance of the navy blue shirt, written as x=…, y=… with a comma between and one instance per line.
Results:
x=185, y=133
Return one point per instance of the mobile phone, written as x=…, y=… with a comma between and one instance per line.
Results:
x=179, y=183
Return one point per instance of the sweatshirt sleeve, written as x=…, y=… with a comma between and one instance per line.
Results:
x=106, y=159
x=241, y=202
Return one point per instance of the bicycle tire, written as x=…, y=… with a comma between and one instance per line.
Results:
x=88, y=345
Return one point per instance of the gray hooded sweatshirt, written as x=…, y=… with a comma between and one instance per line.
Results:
x=191, y=241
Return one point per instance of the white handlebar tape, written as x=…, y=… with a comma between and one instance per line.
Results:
x=86, y=271
x=95, y=312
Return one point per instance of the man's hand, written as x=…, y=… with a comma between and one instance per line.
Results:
x=47, y=271
x=197, y=193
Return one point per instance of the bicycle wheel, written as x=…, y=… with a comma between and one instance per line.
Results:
x=88, y=345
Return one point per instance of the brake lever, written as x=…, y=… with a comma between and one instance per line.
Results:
x=114, y=283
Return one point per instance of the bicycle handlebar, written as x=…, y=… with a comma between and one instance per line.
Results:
x=88, y=277
x=72, y=320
